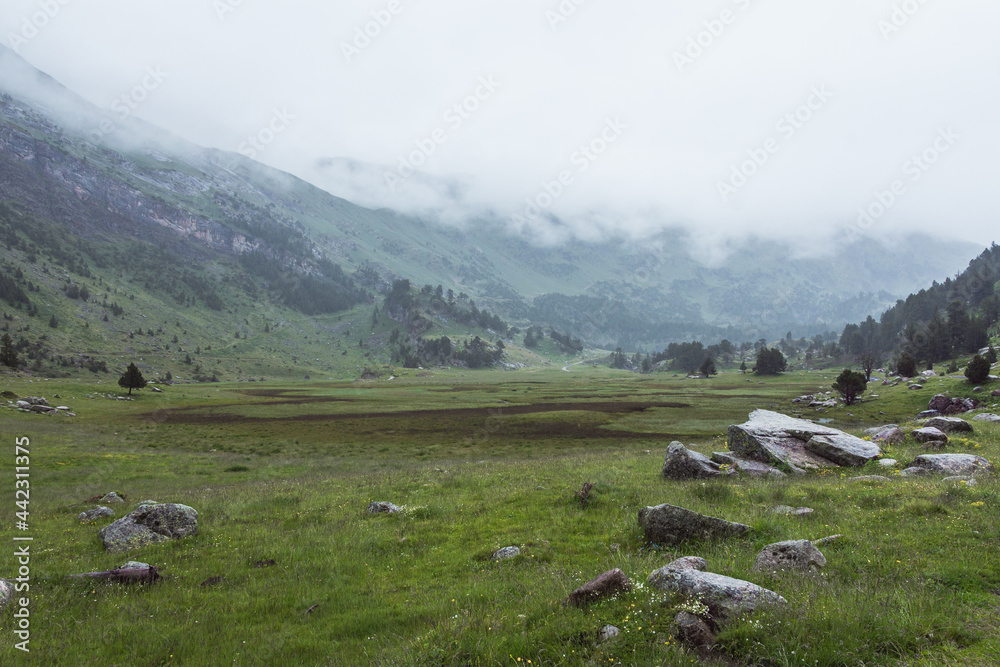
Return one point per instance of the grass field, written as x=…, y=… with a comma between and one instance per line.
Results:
x=480, y=461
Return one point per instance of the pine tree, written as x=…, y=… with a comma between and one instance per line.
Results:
x=991, y=356
x=8, y=355
x=850, y=384
x=978, y=370
x=132, y=379
x=906, y=366
x=708, y=368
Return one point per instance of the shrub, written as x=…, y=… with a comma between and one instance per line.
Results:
x=906, y=365
x=978, y=370
x=850, y=384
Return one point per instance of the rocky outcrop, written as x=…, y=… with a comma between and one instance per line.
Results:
x=604, y=585
x=724, y=596
x=947, y=405
x=682, y=463
x=746, y=466
x=948, y=464
x=777, y=439
x=799, y=555
x=149, y=524
x=669, y=524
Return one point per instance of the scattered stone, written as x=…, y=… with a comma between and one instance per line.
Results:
x=949, y=425
x=607, y=633
x=951, y=464
x=669, y=524
x=914, y=472
x=604, y=585
x=930, y=434
x=150, y=524
x=724, y=596
x=843, y=449
x=995, y=392
x=927, y=414
x=112, y=497
x=928, y=374
x=827, y=540
x=951, y=406
x=916, y=386
x=682, y=463
x=962, y=480
x=986, y=417
x=746, y=466
x=870, y=432
x=800, y=555
x=134, y=565
x=887, y=463
x=505, y=553
x=95, y=514
x=6, y=592
x=890, y=435
x=688, y=563
x=870, y=478
x=787, y=510
x=693, y=630
x=976, y=390
x=383, y=507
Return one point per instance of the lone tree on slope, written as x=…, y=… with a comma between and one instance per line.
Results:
x=851, y=384
x=978, y=370
x=8, y=354
x=132, y=379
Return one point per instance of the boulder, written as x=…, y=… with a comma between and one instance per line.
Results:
x=843, y=449
x=150, y=524
x=787, y=510
x=724, y=596
x=693, y=630
x=669, y=524
x=951, y=406
x=887, y=463
x=682, y=463
x=505, y=553
x=746, y=466
x=871, y=432
x=986, y=417
x=916, y=386
x=961, y=480
x=927, y=414
x=383, y=507
x=949, y=424
x=607, y=633
x=800, y=555
x=929, y=434
x=890, y=435
x=688, y=563
x=604, y=585
x=95, y=514
x=951, y=465
x=995, y=392
x=779, y=440
x=928, y=374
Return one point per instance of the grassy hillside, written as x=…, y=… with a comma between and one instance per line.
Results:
x=481, y=461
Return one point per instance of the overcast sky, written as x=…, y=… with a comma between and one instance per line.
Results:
x=729, y=116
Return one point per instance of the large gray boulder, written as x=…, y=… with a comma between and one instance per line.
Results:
x=843, y=449
x=724, y=596
x=669, y=524
x=889, y=435
x=682, y=463
x=986, y=417
x=949, y=424
x=149, y=524
x=949, y=464
x=947, y=405
x=800, y=555
x=746, y=466
x=780, y=440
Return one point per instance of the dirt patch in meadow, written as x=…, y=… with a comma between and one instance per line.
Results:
x=207, y=416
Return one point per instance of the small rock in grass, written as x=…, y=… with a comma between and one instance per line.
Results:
x=604, y=585
x=787, y=510
x=692, y=630
x=150, y=524
x=827, y=540
x=887, y=463
x=689, y=563
x=112, y=498
x=930, y=434
x=6, y=592
x=607, y=633
x=505, y=553
x=95, y=514
x=960, y=480
x=383, y=507
x=800, y=555
x=949, y=425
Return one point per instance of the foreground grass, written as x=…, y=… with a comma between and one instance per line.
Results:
x=914, y=580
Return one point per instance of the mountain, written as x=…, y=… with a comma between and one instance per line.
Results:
x=182, y=249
